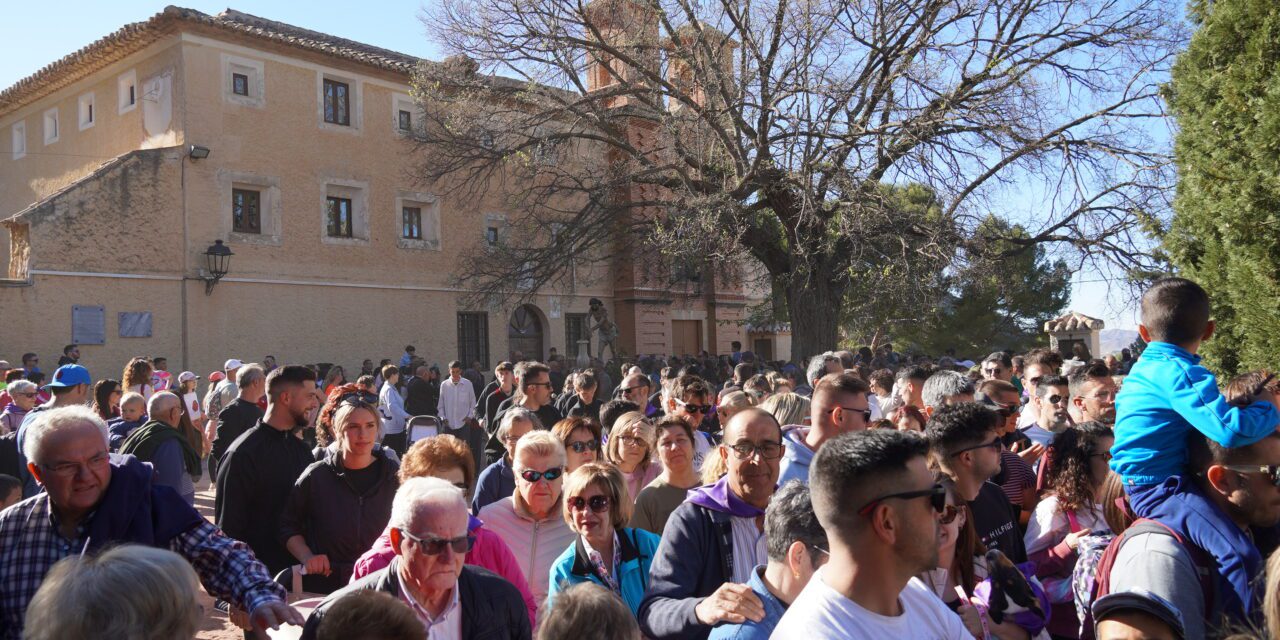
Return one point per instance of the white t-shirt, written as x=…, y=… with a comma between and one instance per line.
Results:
x=1049, y=525
x=822, y=613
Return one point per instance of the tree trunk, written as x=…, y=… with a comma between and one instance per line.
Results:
x=814, y=307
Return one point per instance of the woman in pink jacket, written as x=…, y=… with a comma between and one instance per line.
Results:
x=447, y=457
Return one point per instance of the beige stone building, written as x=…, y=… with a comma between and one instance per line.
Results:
x=121, y=163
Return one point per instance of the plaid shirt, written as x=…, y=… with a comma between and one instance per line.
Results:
x=30, y=544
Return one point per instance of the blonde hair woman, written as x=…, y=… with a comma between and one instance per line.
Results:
x=607, y=552
x=731, y=403
x=130, y=591
x=787, y=408
x=530, y=519
x=631, y=450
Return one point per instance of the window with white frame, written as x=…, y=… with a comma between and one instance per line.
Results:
x=243, y=81
x=404, y=116
x=86, y=110
x=419, y=217
x=51, y=125
x=19, y=134
x=345, y=212
x=127, y=91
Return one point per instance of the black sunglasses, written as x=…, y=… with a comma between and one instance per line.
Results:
x=994, y=444
x=358, y=397
x=583, y=446
x=696, y=408
x=597, y=504
x=866, y=413
x=434, y=546
x=937, y=495
x=550, y=474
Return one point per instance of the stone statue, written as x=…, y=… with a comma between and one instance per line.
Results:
x=606, y=331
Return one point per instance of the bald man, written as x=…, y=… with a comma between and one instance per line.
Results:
x=160, y=442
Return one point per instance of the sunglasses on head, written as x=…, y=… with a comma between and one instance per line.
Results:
x=358, y=398
x=433, y=546
x=937, y=495
x=597, y=504
x=550, y=474
x=583, y=446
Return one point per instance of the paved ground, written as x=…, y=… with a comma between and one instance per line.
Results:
x=216, y=625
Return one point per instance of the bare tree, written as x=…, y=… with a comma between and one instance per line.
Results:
x=781, y=132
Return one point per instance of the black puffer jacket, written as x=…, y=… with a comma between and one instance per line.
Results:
x=325, y=509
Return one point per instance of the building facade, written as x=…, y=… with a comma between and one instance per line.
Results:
x=129, y=158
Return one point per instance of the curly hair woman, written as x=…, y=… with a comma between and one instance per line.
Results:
x=1069, y=513
x=137, y=378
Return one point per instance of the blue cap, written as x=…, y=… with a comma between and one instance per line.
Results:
x=70, y=375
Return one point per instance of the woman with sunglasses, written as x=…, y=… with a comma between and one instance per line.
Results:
x=1069, y=512
x=630, y=448
x=22, y=398
x=106, y=399
x=597, y=507
x=581, y=439
x=530, y=521
x=448, y=458
x=340, y=505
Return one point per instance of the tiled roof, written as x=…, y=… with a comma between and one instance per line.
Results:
x=135, y=36
x=1074, y=321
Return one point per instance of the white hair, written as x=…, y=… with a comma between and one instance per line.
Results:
x=249, y=374
x=52, y=421
x=516, y=413
x=162, y=401
x=21, y=386
x=421, y=493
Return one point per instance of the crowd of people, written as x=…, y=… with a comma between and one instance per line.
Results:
x=867, y=494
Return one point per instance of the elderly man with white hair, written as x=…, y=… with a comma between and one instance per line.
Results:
x=160, y=442
x=92, y=501
x=452, y=600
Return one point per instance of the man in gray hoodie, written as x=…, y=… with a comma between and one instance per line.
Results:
x=839, y=405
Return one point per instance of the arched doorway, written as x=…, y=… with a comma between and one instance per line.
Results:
x=524, y=332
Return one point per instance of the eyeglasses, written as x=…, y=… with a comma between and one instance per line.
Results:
x=767, y=450
x=689, y=407
x=550, y=474
x=70, y=469
x=866, y=413
x=632, y=441
x=538, y=384
x=937, y=495
x=583, y=446
x=433, y=546
x=1105, y=455
x=597, y=504
x=635, y=388
x=949, y=514
x=30, y=395
x=1272, y=471
x=994, y=444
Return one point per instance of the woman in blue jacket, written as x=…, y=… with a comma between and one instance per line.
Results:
x=596, y=506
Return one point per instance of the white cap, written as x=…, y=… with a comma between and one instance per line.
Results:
x=187, y=376
x=231, y=364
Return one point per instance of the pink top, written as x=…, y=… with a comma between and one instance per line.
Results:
x=640, y=478
x=489, y=552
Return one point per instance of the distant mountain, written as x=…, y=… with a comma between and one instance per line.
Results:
x=1113, y=340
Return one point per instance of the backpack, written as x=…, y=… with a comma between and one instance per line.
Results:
x=1203, y=562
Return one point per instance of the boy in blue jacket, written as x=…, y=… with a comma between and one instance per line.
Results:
x=1164, y=397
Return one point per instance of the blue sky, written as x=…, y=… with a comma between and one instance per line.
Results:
x=392, y=24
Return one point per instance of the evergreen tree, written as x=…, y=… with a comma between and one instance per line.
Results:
x=1225, y=232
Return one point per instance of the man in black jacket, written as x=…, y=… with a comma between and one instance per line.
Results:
x=259, y=470
x=419, y=400
x=241, y=414
x=429, y=534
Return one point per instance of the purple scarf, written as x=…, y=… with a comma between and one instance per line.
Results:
x=473, y=523
x=718, y=497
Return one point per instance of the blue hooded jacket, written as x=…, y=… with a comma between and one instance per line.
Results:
x=796, y=457
x=1164, y=397
x=636, y=548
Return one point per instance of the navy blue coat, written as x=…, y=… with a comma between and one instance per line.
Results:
x=693, y=559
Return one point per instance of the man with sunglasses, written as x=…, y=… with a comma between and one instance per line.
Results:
x=636, y=388
x=712, y=543
x=533, y=392
x=875, y=496
x=688, y=398
x=964, y=442
x=1036, y=364
x=451, y=599
x=1016, y=478
x=840, y=405
x=1050, y=401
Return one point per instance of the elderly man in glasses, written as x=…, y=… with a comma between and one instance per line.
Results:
x=452, y=600
x=964, y=442
x=92, y=501
x=712, y=543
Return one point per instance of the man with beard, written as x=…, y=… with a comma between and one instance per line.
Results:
x=1093, y=394
x=875, y=496
x=713, y=542
x=259, y=470
x=964, y=442
x=1050, y=400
